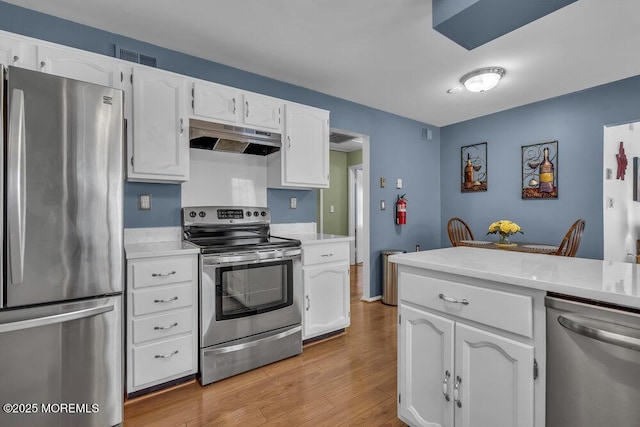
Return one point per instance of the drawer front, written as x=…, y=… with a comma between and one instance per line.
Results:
x=162, y=326
x=161, y=271
x=321, y=253
x=503, y=310
x=154, y=362
x=165, y=298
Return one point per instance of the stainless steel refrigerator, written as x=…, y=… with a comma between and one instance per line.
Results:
x=61, y=308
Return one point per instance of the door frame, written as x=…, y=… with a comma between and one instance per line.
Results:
x=352, y=210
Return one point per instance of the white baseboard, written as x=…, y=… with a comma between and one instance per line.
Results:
x=372, y=299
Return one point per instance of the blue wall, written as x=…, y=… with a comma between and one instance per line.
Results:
x=576, y=121
x=281, y=212
x=397, y=147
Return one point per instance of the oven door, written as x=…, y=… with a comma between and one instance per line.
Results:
x=247, y=294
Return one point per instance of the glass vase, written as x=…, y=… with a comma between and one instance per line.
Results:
x=503, y=239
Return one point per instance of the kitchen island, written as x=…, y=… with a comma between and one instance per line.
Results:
x=472, y=336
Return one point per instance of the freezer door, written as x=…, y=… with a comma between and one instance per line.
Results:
x=64, y=189
x=2, y=133
x=61, y=365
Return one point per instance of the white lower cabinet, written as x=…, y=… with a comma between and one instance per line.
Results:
x=454, y=371
x=326, y=281
x=162, y=331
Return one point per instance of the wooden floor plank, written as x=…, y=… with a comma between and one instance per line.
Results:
x=347, y=380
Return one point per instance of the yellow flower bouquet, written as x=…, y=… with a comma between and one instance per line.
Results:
x=505, y=229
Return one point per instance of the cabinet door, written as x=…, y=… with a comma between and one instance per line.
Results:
x=262, y=111
x=305, y=154
x=217, y=102
x=326, y=299
x=160, y=131
x=495, y=376
x=87, y=67
x=14, y=52
x=425, y=365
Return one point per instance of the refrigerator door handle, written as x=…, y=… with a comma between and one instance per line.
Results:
x=55, y=318
x=16, y=186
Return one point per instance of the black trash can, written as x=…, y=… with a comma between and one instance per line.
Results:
x=390, y=278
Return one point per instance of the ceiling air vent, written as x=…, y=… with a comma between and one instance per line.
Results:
x=132, y=56
x=337, y=138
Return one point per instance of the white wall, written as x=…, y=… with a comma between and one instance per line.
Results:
x=621, y=215
x=225, y=179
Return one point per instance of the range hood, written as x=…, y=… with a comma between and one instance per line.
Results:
x=232, y=139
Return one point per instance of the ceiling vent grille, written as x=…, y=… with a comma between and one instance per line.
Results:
x=132, y=56
x=337, y=138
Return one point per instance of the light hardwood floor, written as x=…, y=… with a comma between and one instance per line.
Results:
x=346, y=380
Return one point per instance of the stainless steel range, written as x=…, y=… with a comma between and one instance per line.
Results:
x=250, y=290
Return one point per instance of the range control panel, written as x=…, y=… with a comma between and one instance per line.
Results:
x=216, y=215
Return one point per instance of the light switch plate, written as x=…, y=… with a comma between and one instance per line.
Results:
x=399, y=183
x=383, y=205
x=293, y=203
x=145, y=202
x=332, y=209
x=383, y=182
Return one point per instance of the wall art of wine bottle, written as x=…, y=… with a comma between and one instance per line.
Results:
x=474, y=167
x=540, y=171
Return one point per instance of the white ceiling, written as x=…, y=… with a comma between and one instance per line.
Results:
x=381, y=53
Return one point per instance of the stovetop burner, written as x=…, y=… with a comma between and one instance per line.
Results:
x=225, y=229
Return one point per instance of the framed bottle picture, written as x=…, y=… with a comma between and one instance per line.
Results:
x=540, y=171
x=473, y=167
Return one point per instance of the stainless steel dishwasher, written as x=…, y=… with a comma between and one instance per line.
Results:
x=593, y=364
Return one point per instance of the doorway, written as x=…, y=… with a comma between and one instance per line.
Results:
x=338, y=210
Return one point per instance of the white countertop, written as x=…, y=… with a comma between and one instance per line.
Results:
x=607, y=281
x=315, y=238
x=154, y=249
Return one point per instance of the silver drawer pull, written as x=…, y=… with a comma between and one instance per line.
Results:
x=326, y=255
x=166, y=356
x=163, y=328
x=453, y=300
x=166, y=300
x=171, y=273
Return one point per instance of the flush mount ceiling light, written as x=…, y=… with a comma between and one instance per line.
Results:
x=483, y=79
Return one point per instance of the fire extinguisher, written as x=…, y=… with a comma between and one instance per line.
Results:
x=401, y=210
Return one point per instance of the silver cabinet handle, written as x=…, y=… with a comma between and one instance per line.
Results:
x=181, y=127
x=165, y=300
x=326, y=255
x=234, y=106
x=164, y=328
x=611, y=333
x=246, y=103
x=163, y=274
x=16, y=58
x=288, y=142
x=166, y=356
x=308, y=303
x=453, y=300
x=16, y=186
x=445, y=386
x=43, y=64
x=456, y=392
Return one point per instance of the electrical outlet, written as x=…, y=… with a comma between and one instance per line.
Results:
x=399, y=183
x=145, y=202
x=293, y=203
x=332, y=209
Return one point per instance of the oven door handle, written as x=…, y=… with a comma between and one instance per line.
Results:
x=232, y=259
x=611, y=333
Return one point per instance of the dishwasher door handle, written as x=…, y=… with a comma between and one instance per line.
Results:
x=600, y=330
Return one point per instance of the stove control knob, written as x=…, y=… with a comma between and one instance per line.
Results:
x=248, y=213
x=202, y=214
x=192, y=214
x=256, y=213
x=263, y=213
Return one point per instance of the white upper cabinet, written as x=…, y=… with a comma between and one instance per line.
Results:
x=16, y=52
x=304, y=158
x=160, y=147
x=216, y=102
x=92, y=68
x=262, y=111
